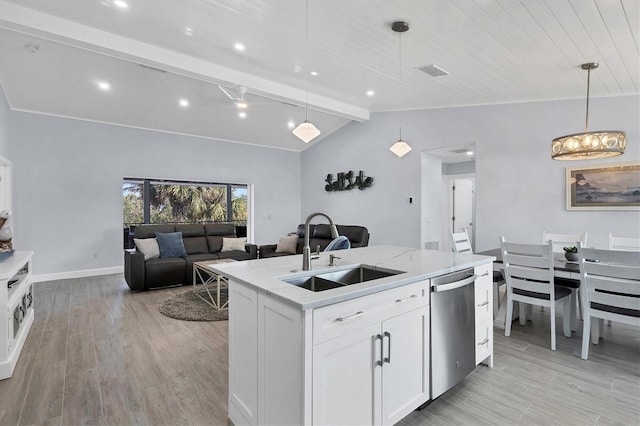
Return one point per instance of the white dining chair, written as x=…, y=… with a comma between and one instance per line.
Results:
x=559, y=241
x=529, y=274
x=461, y=243
x=610, y=291
x=624, y=243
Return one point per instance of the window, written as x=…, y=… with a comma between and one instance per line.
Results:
x=169, y=201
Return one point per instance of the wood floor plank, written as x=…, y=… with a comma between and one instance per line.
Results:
x=98, y=353
x=82, y=404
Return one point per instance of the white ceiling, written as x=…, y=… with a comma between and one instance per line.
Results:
x=497, y=51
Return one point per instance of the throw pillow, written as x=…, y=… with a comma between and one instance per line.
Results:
x=148, y=247
x=232, y=244
x=287, y=244
x=171, y=244
x=339, y=243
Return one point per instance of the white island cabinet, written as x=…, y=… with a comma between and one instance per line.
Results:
x=359, y=354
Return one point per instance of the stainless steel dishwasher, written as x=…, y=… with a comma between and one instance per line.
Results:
x=453, y=328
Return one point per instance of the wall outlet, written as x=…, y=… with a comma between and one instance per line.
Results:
x=96, y=255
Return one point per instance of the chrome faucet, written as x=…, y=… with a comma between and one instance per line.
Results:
x=306, y=250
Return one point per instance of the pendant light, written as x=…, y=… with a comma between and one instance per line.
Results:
x=589, y=145
x=400, y=148
x=306, y=131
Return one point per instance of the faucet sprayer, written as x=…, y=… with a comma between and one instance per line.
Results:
x=306, y=250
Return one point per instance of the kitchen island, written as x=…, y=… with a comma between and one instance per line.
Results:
x=350, y=354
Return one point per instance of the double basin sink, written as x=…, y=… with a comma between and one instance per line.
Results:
x=324, y=280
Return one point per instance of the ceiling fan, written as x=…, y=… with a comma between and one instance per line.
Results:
x=236, y=94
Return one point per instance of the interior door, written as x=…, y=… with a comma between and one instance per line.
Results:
x=462, y=206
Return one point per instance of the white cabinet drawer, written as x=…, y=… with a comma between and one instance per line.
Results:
x=341, y=318
x=484, y=340
x=484, y=293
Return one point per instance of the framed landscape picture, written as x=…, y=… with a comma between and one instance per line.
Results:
x=605, y=187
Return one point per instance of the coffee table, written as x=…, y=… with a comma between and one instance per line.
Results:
x=210, y=281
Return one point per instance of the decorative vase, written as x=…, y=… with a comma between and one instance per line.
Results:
x=571, y=256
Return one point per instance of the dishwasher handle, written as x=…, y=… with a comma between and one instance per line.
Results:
x=453, y=285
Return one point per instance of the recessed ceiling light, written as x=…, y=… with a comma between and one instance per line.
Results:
x=120, y=4
x=188, y=31
x=239, y=47
x=314, y=73
x=242, y=105
x=370, y=93
x=469, y=153
x=291, y=124
x=103, y=85
x=183, y=103
x=242, y=114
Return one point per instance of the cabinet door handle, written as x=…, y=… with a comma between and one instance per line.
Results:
x=387, y=359
x=483, y=275
x=379, y=337
x=348, y=317
x=484, y=342
x=485, y=303
x=413, y=296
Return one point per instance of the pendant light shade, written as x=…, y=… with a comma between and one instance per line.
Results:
x=306, y=131
x=589, y=145
x=400, y=148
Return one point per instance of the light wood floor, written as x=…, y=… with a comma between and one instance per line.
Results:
x=100, y=354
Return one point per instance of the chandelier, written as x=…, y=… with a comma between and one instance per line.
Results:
x=589, y=145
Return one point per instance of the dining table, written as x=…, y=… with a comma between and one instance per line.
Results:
x=562, y=267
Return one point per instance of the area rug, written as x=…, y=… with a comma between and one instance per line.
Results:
x=188, y=306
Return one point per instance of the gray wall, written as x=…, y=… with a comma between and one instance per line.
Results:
x=520, y=191
x=67, y=184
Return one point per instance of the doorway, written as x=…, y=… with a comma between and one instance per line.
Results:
x=448, y=195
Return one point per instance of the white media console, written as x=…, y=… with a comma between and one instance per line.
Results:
x=16, y=308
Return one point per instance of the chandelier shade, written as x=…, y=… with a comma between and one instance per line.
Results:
x=306, y=131
x=589, y=145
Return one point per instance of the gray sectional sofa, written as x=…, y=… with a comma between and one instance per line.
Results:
x=201, y=242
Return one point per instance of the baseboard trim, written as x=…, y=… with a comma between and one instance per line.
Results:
x=77, y=274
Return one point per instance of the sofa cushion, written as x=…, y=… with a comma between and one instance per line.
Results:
x=215, y=232
x=234, y=254
x=170, y=244
x=287, y=244
x=148, y=247
x=200, y=257
x=149, y=231
x=233, y=244
x=163, y=272
x=195, y=245
x=191, y=229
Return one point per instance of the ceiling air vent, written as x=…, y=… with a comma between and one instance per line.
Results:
x=433, y=70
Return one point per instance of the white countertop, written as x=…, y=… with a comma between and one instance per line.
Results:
x=417, y=265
